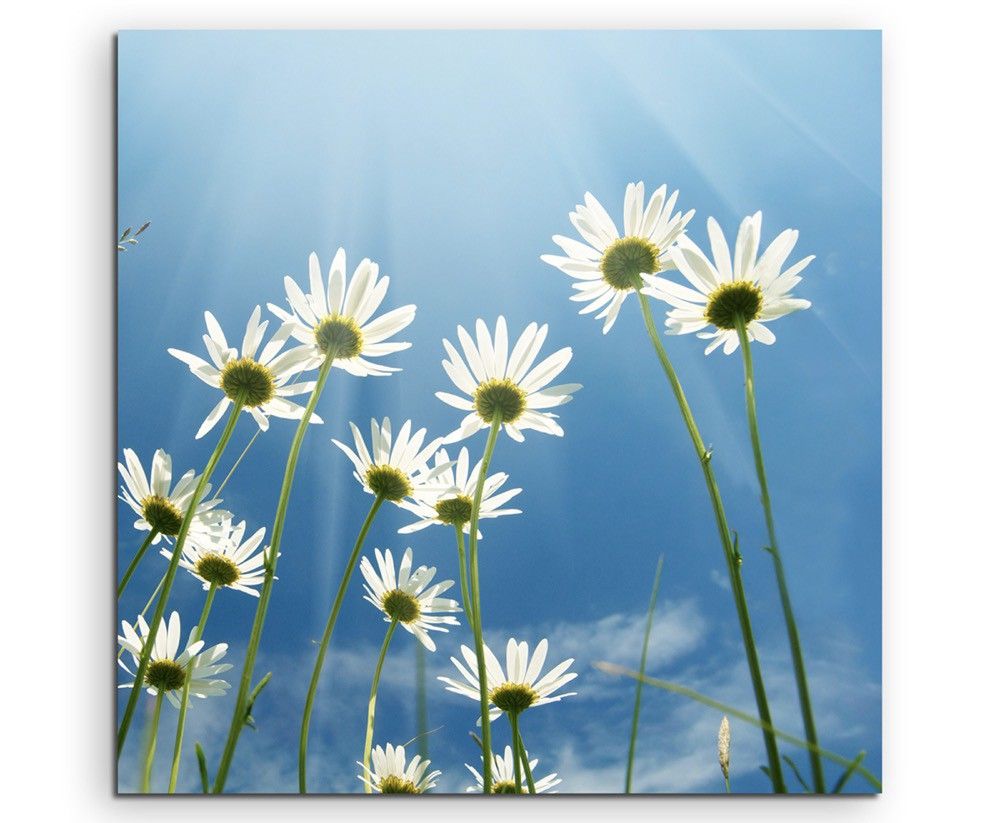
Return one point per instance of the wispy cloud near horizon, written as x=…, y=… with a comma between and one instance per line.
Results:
x=583, y=738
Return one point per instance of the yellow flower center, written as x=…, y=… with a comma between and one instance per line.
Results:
x=513, y=697
x=400, y=606
x=162, y=515
x=390, y=784
x=217, y=568
x=340, y=336
x=625, y=259
x=501, y=396
x=741, y=298
x=389, y=482
x=454, y=511
x=248, y=379
x=165, y=675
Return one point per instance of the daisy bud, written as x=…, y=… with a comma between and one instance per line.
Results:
x=724, y=747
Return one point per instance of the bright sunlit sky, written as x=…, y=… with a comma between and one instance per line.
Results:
x=451, y=159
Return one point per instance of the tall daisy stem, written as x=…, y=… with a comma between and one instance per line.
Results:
x=154, y=725
x=484, y=702
x=798, y=661
x=324, y=643
x=516, y=741
x=270, y=566
x=168, y=580
x=463, y=572
x=175, y=766
x=135, y=561
x=732, y=559
x=372, y=695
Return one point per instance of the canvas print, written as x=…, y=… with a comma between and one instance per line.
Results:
x=498, y=412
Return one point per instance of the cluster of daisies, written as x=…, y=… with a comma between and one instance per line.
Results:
x=499, y=378
x=609, y=265
x=501, y=382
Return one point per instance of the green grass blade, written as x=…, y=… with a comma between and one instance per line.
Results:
x=684, y=691
x=642, y=670
x=421, y=690
x=202, y=767
x=797, y=773
x=247, y=716
x=416, y=737
x=855, y=765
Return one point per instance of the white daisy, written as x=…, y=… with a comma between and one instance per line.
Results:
x=261, y=381
x=503, y=777
x=159, y=507
x=409, y=598
x=391, y=775
x=742, y=286
x=167, y=670
x=506, y=385
x=448, y=501
x=393, y=470
x=221, y=556
x=335, y=317
x=518, y=689
x=608, y=269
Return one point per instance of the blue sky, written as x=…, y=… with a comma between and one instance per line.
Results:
x=451, y=159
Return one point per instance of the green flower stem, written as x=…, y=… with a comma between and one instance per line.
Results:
x=370, y=726
x=463, y=572
x=525, y=763
x=324, y=643
x=467, y=602
x=516, y=741
x=175, y=766
x=484, y=702
x=801, y=682
x=168, y=580
x=154, y=724
x=642, y=670
x=270, y=566
x=732, y=559
x=135, y=562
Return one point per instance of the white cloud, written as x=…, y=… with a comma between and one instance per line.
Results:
x=719, y=579
x=676, y=751
x=584, y=738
